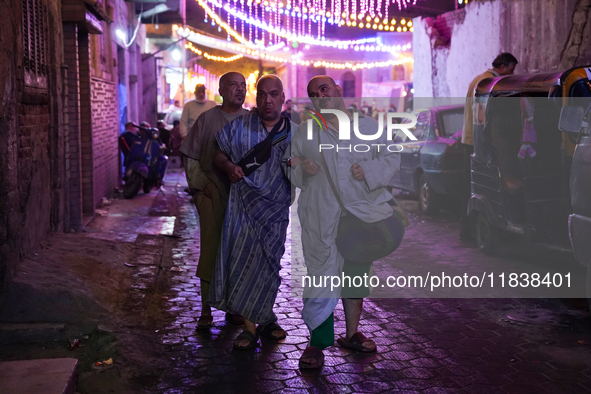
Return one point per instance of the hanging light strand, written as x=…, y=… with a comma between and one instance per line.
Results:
x=292, y=37
x=213, y=57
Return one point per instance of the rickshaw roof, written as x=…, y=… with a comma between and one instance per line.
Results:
x=512, y=84
x=532, y=83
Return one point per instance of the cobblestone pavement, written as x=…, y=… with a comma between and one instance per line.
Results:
x=427, y=345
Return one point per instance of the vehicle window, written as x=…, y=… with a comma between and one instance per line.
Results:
x=418, y=131
x=453, y=121
x=581, y=88
x=423, y=119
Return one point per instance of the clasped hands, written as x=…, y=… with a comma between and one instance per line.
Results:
x=311, y=168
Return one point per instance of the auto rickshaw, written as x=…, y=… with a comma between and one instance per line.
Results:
x=519, y=184
x=575, y=119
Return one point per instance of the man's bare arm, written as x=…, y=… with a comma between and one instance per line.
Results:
x=221, y=161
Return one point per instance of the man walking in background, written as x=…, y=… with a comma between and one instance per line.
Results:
x=212, y=185
x=504, y=64
x=193, y=109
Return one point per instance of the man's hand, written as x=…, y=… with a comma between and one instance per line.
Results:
x=207, y=190
x=293, y=162
x=309, y=167
x=358, y=172
x=235, y=174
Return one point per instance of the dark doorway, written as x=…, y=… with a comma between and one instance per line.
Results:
x=348, y=84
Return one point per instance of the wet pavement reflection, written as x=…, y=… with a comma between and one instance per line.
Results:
x=424, y=345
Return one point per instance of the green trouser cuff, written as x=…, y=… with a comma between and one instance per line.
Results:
x=323, y=335
x=204, y=291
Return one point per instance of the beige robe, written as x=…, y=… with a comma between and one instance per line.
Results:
x=199, y=148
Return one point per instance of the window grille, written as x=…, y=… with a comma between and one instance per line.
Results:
x=35, y=42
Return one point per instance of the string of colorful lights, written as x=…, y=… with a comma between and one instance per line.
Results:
x=305, y=17
x=212, y=57
x=280, y=32
x=254, y=53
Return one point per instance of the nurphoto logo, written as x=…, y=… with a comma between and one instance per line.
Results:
x=345, y=129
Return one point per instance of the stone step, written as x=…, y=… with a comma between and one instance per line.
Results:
x=42, y=376
x=32, y=332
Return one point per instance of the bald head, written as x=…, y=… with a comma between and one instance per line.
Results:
x=320, y=80
x=230, y=76
x=270, y=97
x=270, y=79
x=325, y=93
x=233, y=90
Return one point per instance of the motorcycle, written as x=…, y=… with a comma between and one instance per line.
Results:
x=146, y=163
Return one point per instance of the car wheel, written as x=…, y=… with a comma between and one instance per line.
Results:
x=487, y=237
x=429, y=200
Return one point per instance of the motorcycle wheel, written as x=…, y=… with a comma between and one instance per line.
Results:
x=132, y=186
x=148, y=186
x=487, y=236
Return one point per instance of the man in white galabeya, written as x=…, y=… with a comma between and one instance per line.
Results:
x=193, y=109
x=334, y=182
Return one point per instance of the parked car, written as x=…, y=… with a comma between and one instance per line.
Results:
x=432, y=166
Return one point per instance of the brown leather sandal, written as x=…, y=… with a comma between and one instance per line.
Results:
x=356, y=343
x=314, y=353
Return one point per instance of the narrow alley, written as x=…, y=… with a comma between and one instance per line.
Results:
x=424, y=345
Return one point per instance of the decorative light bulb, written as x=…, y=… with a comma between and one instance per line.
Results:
x=409, y=24
x=376, y=20
x=368, y=18
x=393, y=21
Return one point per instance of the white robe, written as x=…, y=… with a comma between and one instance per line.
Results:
x=319, y=210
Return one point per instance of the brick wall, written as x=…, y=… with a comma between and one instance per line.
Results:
x=105, y=133
x=73, y=160
x=34, y=167
x=31, y=138
x=88, y=203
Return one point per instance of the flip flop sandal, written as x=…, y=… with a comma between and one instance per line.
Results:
x=204, y=323
x=314, y=353
x=234, y=319
x=248, y=336
x=356, y=343
x=267, y=331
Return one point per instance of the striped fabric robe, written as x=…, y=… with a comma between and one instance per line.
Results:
x=246, y=274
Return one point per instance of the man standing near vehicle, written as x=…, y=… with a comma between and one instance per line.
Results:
x=504, y=64
x=193, y=109
x=334, y=183
x=246, y=275
x=127, y=139
x=212, y=185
